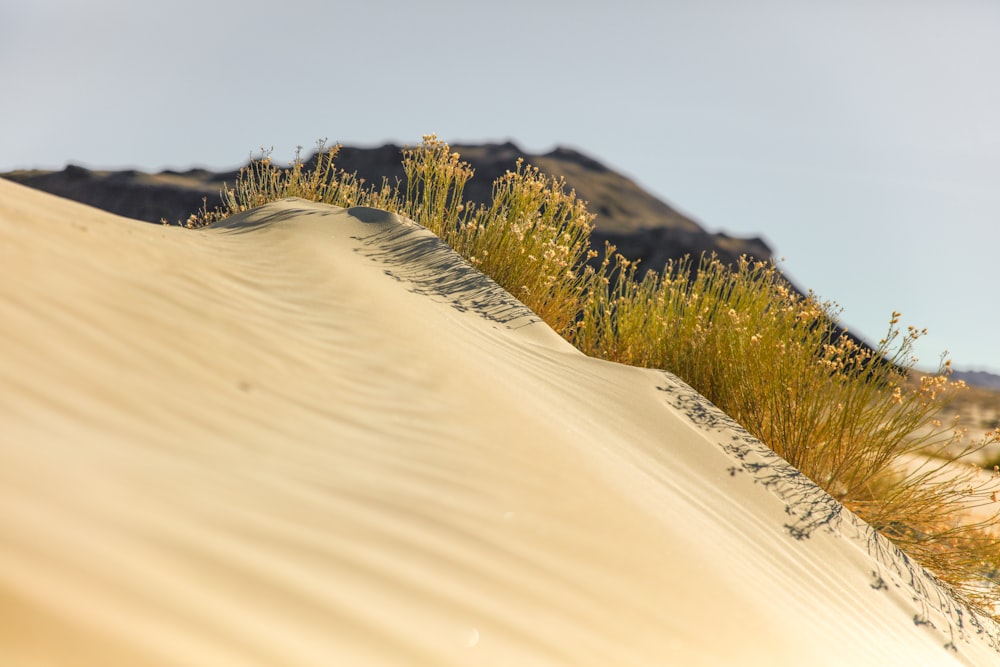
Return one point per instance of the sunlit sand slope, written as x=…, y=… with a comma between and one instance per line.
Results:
x=316, y=436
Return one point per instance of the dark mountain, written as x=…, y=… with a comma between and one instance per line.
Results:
x=642, y=226
x=168, y=195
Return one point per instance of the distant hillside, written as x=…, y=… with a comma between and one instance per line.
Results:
x=642, y=226
x=978, y=379
x=134, y=194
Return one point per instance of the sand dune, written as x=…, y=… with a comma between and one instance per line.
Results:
x=315, y=436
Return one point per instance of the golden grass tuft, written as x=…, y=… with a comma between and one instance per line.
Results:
x=261, y=182
x=857, y=421
x=850, y=418
x=533, y=239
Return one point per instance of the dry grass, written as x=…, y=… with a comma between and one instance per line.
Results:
x=262, y=182
x=533, y=239
x=856, y=421
x=851, y=419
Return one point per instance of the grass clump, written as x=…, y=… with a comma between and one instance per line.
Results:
x=533, y=239
x=262, y=182
x=853, y=419
x=849, y=417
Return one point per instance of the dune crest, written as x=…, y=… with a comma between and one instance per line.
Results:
x=317, y=436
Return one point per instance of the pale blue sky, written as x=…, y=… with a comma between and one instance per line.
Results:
x=861, y=138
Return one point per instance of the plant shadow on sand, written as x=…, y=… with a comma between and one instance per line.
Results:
x=415, y=256
x=811, y=509
x=249, y=221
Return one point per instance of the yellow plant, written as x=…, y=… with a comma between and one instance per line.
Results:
x=533, y=239
x=261, y=182
x=847, y=416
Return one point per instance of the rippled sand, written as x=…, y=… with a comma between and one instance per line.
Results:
x=316, y=436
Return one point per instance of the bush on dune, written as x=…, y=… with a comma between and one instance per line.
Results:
x=853, y=419
x=533, y=240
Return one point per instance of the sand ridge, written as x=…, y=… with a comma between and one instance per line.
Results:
x=316, y=436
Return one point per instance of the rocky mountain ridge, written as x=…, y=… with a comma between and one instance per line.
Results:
x=642, y=226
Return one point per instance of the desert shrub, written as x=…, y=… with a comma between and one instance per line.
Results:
x=849, y=417
x=262, y=182
x=853, y=419
x=435, y=180
x=533, y=239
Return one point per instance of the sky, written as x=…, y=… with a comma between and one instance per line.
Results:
x=859, y=138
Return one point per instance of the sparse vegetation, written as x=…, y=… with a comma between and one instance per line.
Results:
x=261, y=182
x=850, y=418
x=855, y=420
x=532, y=240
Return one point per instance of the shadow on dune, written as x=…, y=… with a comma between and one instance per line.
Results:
x=811, y=508
x=411, y=254
x=931, y=596
x=415, y=256
x=264, y=216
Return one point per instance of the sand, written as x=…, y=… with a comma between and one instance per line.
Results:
x=316, y=436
